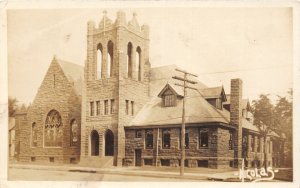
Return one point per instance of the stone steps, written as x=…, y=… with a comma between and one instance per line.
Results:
x=96, y=161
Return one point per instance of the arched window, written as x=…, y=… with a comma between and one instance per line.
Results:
x=138, y=62
x=74, y=133
x=53, y=130
x=110, y=55
x=34, y=135
x=129, y=60
x=109, y=143
x=99, y=61
x=94, y=143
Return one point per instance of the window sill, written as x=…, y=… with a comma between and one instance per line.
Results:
x=203, y=148
x=101, y=115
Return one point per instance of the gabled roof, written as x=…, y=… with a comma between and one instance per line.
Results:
x=214, y=92
x=245, y=102
x=245, y=123
x=175, y=89
x=160, y=76
x=153, y=113
x=73, y=72
x=198, y=110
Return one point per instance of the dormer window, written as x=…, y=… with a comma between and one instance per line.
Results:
x=169, y=100
x=215, y=102
x=215, y=96
x=169, y=96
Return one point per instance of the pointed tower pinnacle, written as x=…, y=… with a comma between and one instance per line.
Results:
x=134, y=23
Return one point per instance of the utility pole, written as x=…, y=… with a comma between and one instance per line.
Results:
x=185, y=86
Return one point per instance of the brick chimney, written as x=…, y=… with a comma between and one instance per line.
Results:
x=236, y=116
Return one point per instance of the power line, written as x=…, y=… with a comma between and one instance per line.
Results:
x=185, y=86
x=245, y=70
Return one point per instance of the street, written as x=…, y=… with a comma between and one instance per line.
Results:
x=53, y=175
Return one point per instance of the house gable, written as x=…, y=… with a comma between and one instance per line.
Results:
x=54, y=84
x=169, y=96
x=215, y=96
x=55, y=94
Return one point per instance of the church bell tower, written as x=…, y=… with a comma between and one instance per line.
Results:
x=116, y=84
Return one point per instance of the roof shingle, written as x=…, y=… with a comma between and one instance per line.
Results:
x=74, y=74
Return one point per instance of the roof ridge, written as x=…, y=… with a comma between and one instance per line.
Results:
x=213, y=107
x=212, y=87
x=172, y=65
x=73, y=72
x=68, y=62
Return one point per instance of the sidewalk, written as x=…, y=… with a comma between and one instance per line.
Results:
x=159, y=172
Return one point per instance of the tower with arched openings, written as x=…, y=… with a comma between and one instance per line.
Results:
x=116, y=85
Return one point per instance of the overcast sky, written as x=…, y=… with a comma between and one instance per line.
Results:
x=218, y=44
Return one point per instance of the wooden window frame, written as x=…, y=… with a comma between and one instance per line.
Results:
x=127, y=107
x=166, y=132
x=98, y=107
x=112, y=106
x=106, y=107
x=149, y=138
x=138, y=133
x=132, y=108
x=203, y=131
x=92, y=108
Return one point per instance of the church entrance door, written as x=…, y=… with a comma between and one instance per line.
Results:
x=109, y=143
x=94, y=143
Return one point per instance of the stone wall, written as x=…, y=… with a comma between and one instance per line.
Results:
x=59, y=96
x=236, y=94
x=119, y=86
x=20, y=123
x=225, y=154
x=217, y=154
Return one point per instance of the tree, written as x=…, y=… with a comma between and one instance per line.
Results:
x=283, y=114
x=12, y=103
x=264, y=119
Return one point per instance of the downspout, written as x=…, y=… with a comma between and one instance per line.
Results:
x=157, y=139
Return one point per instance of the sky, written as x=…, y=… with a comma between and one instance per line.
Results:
x=217, y=44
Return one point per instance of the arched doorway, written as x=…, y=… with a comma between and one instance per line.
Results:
x=109, y=143
x=94, y=143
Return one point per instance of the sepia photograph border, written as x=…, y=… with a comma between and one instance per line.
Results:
x=6, y=5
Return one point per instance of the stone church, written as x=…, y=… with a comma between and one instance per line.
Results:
x=118, y=110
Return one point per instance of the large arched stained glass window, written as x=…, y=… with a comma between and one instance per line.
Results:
x=74, y=133
x=53, y=129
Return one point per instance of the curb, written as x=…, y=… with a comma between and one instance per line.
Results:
x=154, y=175
x=131, y=173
